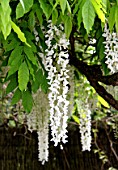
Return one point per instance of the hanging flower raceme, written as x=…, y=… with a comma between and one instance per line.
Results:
x=111, y=49
x=38, y=120
x=55, y=62
x=84, y=113
x=85, y=125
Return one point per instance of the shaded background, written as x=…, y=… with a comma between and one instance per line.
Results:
x=18, y=151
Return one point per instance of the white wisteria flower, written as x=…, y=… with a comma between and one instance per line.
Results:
x=85, y=125
x=55, y=62
x=38, y=120
x=111, y=49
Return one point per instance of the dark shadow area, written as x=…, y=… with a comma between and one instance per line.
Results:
x=18, y=151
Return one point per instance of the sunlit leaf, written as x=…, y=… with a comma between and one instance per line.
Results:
x=69, y=8
x=5, y=18
x=99, y=9
x=76, y=119
x=20, y=34
x=103, y=102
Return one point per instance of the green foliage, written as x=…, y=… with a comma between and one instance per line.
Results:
x=54, y=16
x=30, y=55
x=76, y=119
x=63, y=5
x=27, y=101
x=20, y=34
x=23, y=76
x=5, y=18
x=103, y=102
x=47, y=8
x=25, y=71
x=88, y=15
x=23, y=7
x=111, y=17
x=116, y=17
x=40, y=81
x=22, y=40
x=16, y=97
x=100, y=9
x=31, y=21
x=12, y=85
x=68, y=26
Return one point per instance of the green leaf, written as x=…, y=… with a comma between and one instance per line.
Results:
x=11, y=45
x=78, y=8
x=14, y=68
x=31, y=21
x=54, y=16
x=111, y=18
x=38, y=80
x=116, y=18
x=30, y=55
x=88, y=14
x=20, y=34
x=99, y=8
x=30, y=66
x=23, y=8
x=103, y=102
x=63, y=5
x=76, y=119
x=77, y=5
x=12, y=85
x=27, y=101
x=68, y=26
x=47, y=9
x=5, y=19
x=15, y=60
x=23, y=76
x=79, y=18
x=22, y=3
x=39, y=13
x=100, y=48
x=68, y=6
x=15, y=55
x=44, y=84
x=16, y=97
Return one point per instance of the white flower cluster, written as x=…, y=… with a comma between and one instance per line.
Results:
x=38, y=120
x=111, y=49
x=55, y=62
x=85, y=125
x=84, y=109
